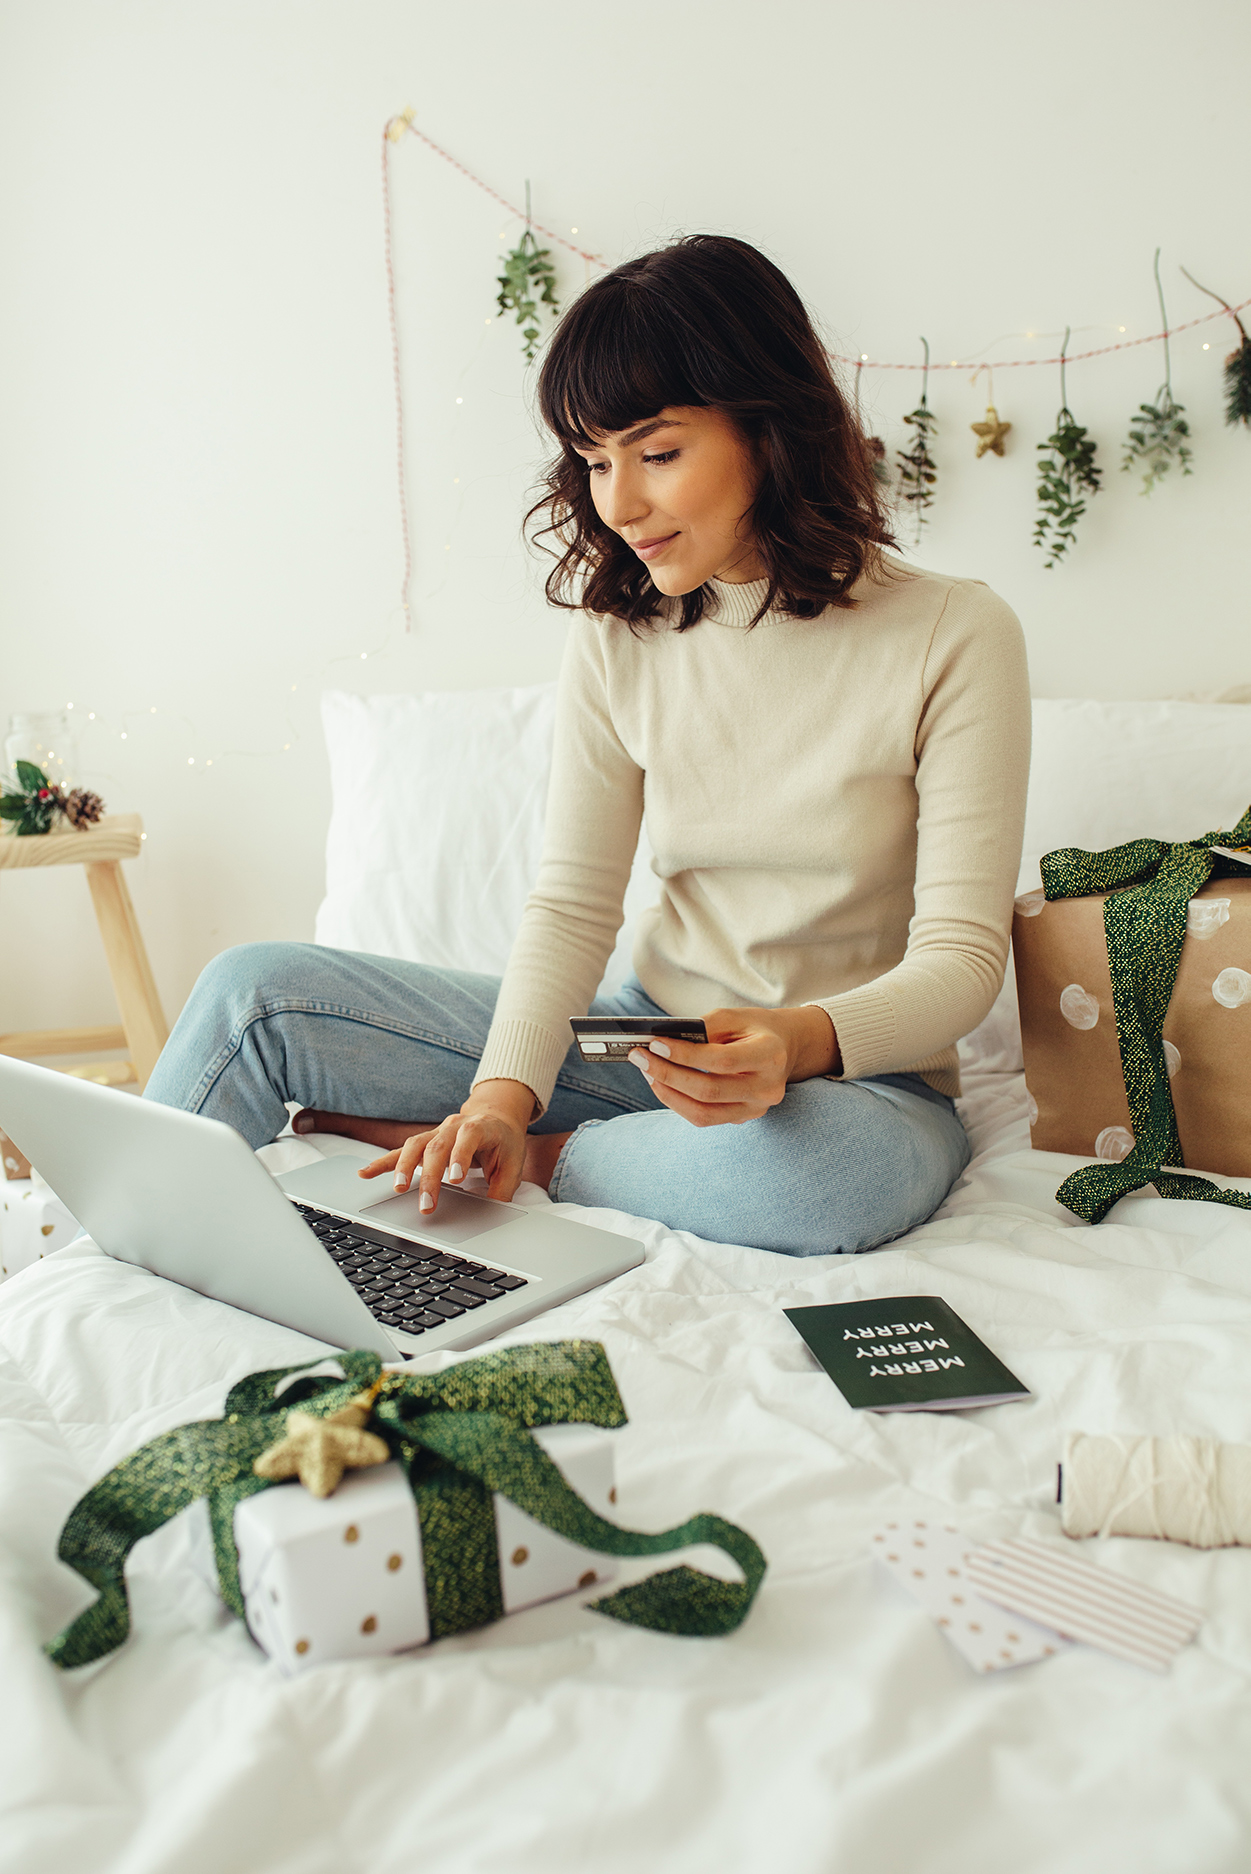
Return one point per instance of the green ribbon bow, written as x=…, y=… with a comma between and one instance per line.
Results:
x=460, y=1435
x=1150, y=884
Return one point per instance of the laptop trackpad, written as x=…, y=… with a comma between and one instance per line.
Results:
x=333, y=1182
x=458, y=1218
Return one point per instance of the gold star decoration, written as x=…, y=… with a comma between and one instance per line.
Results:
x=991, y=433
x=319, y=1450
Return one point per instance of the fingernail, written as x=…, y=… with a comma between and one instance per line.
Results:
x=427, y=1202
x=303, y=1122
x=658, y=1047
x=637, y=1056
x=456, y=1171
x=401, y=1181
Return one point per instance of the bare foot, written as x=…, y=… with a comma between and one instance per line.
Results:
x=542, y=1151
x=389, y=1133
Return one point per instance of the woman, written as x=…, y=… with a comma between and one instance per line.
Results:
x=832, y=749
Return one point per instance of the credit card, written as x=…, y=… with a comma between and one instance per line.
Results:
x=603, y=1039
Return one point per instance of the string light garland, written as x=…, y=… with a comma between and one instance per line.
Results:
x=918, y=472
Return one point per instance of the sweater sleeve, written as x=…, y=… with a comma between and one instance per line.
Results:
x=972, y=756
x=571, y=919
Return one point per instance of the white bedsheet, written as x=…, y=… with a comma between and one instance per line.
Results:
x=835, y=1731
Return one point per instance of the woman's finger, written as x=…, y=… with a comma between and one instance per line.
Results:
x=701, y=1113
x=435, y=1161
x=376, y=1166
x=409, y=1158
x=711, y=1089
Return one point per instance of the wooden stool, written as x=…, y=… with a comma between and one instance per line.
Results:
x=101, y=849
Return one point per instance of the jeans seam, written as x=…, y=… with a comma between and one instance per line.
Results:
x=290, y=1005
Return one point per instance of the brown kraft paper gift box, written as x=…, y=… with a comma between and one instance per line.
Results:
x=1068, y=1029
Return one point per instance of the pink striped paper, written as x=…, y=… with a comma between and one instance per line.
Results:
x=1087, y=1603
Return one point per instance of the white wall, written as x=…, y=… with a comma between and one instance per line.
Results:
x=197, y=504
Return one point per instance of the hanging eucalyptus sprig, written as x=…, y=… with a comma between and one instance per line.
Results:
x=1066, y=474
x=918, y=471
x=1157, y=435
x=1237, y=365
x=528, y=271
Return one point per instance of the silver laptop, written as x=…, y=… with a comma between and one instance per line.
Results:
x=318, y=1249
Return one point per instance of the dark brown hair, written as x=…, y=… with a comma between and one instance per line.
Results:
x=708, y=321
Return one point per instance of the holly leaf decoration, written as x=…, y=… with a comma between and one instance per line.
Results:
x=1066, y=474
x=30, y=777
x=1157, y=439
x=37, y=805
x=528, y=271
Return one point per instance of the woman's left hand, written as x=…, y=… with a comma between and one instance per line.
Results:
x=744, y=1067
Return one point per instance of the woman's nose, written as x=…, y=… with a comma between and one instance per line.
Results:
x=623, y=503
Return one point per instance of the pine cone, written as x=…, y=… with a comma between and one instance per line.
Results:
x=82, y=808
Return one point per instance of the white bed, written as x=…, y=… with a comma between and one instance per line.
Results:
x=836, y=1730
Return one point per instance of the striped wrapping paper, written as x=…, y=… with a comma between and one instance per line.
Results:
x=1084, y=1602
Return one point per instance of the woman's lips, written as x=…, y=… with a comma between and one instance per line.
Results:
x=648, y=549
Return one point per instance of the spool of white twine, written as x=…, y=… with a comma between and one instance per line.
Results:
x=1179, y=1489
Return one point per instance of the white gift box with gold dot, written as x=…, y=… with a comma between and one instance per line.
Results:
x=341, y=1577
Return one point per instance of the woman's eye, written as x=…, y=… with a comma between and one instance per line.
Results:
x=595, y=467
x=668, y=456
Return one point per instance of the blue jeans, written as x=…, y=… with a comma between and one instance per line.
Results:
x=838, y=1166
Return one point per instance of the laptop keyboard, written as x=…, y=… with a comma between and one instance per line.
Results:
x=401, y=1282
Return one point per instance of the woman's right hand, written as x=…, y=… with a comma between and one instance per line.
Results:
x=488, y=1131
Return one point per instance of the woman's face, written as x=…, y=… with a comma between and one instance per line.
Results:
x=678, y=489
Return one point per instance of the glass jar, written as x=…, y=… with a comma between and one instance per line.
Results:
x=48, y=740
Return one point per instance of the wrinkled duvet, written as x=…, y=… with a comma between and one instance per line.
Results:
x=836, y=1730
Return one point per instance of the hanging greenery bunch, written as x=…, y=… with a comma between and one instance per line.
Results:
x=1237, y=365
x=918, y=470
x=527, y=283
x=37, y=802
x=1066, y=475
x=1157, y=435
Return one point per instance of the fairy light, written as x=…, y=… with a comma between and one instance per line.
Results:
x=1207, y=348
x=460, y=400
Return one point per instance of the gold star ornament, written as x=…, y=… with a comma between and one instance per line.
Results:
x=319, y=1450
x=991, y=433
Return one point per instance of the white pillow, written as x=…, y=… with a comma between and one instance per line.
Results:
x=1104, y=773
x=436, y=826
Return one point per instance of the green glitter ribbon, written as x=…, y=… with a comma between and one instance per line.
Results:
x=460, y=1436
x=1149, y=884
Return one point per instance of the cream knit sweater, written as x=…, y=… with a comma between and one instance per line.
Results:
x=836, y=808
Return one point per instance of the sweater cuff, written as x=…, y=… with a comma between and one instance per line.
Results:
x=864, y=1022
x=523, y=1051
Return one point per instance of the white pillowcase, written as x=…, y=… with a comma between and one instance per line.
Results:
x=436, y=826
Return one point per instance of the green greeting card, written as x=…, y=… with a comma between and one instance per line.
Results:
x=906, y=1353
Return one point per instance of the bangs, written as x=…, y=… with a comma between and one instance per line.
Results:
x=615, y=361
